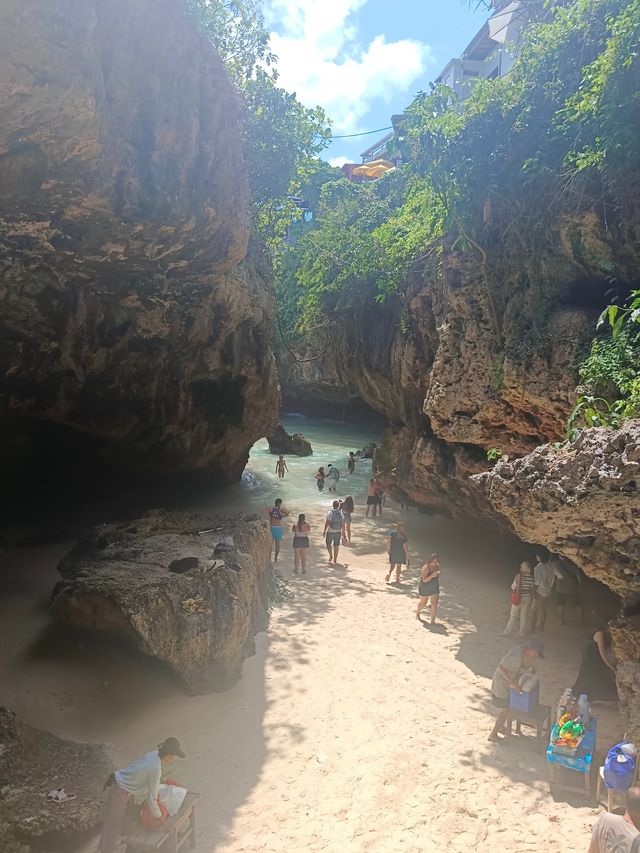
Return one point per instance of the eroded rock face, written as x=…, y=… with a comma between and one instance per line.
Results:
x=281, y=442
x=581, y=500
x=129, y=309
x=33, y=763
x=193, y=601
x=474, y=355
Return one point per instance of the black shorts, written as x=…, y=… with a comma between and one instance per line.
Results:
x=372, y=500
x=300, y=541
x=498, y=702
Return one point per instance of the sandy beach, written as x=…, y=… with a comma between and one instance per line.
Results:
x=354, y=728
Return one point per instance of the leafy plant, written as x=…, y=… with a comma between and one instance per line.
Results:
x=611, y=372
x=281, y=136
x=494, y=453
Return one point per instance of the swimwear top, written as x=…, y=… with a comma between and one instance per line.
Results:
x=276, y=513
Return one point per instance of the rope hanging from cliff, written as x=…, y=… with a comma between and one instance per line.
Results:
x=292, y=353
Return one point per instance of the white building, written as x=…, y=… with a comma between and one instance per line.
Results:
x=492, y=51
x=490, y=54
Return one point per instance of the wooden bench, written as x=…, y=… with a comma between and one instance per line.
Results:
x=178, y=831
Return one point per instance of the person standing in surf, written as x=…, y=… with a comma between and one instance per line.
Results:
x=281, y=467
x=351, y=462
x=320, y=478
x=333, y=531
x=276, y=514
x=300, y=544
x=334, y=476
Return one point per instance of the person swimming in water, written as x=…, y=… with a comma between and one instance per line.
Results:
x=281, y=467
x=276, y=514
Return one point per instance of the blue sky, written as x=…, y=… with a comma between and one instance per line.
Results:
x=364, y=60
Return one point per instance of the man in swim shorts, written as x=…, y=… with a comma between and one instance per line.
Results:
x=276, y=514
x=332, y=531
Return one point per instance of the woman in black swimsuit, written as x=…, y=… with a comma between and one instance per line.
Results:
x=429, y=587
x=300, y=544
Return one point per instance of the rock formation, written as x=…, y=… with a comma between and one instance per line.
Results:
x=281, y=442
x=459, y=365
x=130, y=312
x=33, y=763
x=582, y=501
x=193, y=601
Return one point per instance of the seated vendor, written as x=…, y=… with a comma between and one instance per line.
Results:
x=506, y=676
x=138, y=783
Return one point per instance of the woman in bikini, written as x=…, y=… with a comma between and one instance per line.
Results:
x=320, y=477
x=300, y=544
x=429, y=587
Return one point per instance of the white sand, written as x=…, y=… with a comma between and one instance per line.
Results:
x=353, y=728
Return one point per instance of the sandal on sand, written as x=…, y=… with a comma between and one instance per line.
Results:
x=59, y=795
x=386, y=577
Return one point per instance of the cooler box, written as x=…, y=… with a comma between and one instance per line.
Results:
x=524, y=702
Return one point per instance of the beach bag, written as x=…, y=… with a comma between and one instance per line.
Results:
x=619, y=769
x=516, y=594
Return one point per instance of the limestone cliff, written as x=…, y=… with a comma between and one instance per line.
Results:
x=130, y=312
x=475, y=353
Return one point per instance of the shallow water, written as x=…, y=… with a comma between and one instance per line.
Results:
x=331, y=442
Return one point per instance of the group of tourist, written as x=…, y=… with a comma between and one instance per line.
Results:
x=531, y=594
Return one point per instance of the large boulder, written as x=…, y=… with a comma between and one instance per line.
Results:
x=130, y=312
x=194, y=600
x=33, y=763
x=294, y=445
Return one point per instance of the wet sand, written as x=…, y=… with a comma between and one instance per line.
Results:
x=354, y=728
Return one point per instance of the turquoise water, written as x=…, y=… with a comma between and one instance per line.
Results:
x=331, y=442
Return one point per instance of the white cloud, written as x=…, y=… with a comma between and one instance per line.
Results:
x=321, y=59
x=339, y=161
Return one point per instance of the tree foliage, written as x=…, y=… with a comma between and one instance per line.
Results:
x=281, y=136
x=610, y=374
x=491, y=176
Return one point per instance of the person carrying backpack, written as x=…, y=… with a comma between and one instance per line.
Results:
x=332, y=531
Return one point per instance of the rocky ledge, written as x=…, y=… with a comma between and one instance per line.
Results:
x=281, y=442
x=579, y=499
x=192, y=600
x=582, y=500
x=33, y=763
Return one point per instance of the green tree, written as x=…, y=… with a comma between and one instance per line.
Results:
x=281, y=136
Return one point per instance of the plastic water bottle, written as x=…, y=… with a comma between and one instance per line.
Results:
x=583, y=709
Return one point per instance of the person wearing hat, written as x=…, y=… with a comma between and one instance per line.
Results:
x=138, y=783
x=506, y=677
